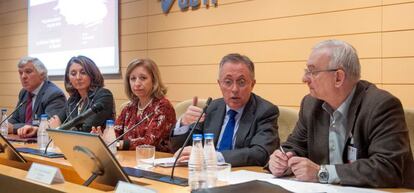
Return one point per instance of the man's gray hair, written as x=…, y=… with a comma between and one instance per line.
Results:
x=39, y=66
x=238, y=58
x=342, y=55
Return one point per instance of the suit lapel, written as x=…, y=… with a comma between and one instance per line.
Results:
x=22, y=111
x=216, y=119
x=246, y=121
x=320, y=133
x=353, y=110
x=39, y=97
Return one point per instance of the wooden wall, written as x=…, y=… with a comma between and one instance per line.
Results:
x=276, y=34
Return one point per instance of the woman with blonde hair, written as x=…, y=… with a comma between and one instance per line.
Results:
x=146, y=92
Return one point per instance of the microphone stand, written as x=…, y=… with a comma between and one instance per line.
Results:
x=130, y=129
x=17, y=108
x=67, y=118
x=188, y=137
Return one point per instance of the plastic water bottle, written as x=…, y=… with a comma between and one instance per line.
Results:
x=196, y=174
x=36, y=121
x=210, y=160
x=109, y=135
x=42, y=136
x=4, y=130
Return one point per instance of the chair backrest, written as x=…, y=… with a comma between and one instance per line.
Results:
x=181, y=107
x=286, y=122
x=409, y=118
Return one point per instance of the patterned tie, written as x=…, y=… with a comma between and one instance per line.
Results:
x=29, y=110
x=226, y=142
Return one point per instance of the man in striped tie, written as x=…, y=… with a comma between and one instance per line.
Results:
x=244, y=124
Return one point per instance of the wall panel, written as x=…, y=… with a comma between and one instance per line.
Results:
x=276, y=34
x=329, y=24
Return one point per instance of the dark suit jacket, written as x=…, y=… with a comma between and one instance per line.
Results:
x=256, y=138
x=99, y=95
x=376, y=119
x=49, y=100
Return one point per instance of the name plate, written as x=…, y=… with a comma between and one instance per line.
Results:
x=44, y=174
x=125, y=187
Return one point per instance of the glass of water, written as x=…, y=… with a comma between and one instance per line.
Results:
x=145, y=155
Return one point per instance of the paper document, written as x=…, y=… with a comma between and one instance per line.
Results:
x=245, y=176
x=294, y=185
x=309, y=187
x=168, y=162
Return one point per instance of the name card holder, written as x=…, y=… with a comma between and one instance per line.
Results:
x=45, y=174
x=125, y=187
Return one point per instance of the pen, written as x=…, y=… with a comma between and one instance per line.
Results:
x=284, y=153
x=282, y=150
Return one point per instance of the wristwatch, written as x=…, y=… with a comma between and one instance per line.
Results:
x=323, y=175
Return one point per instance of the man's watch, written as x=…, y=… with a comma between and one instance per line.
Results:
x=323, y=175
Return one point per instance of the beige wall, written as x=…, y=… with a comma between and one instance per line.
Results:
x=276, y=34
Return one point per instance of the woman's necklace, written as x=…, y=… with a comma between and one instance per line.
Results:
x=80, y=105
x=141, y=110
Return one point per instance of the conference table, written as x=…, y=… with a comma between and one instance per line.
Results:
x=126, y=159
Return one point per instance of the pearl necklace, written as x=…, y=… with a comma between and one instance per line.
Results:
x=140, y=110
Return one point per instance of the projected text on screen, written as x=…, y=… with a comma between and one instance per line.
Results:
x=60, y=29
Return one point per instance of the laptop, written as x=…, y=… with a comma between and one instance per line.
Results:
x=7, y=151
x=89, y=157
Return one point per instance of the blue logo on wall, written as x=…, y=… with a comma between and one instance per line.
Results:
x=185, y=4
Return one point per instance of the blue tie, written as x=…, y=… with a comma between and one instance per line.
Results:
x=226, y=142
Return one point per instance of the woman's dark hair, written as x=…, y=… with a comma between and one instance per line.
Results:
x=97, y=80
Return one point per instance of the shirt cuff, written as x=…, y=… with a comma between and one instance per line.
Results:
x=180, y=130
x=333, y=176
x=220, y=157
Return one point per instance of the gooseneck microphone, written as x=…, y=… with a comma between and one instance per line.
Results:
x=130, y=129
x=67, y=118
x=14, y=111
x=96, y=108
x=189, y=136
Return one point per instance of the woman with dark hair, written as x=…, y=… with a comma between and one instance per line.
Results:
x=146, y=93
x=84, y=83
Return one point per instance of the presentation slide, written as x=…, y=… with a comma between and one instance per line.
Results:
x=61, y=29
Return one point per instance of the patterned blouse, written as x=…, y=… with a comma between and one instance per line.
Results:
x=153, y=131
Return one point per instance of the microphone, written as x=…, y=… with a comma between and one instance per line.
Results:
x=189, y=136
x=130, y=129
x=96, y=108
x=15, y=110
x=67, y=118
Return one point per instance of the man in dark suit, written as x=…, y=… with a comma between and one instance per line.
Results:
x=244, y=124
x=349, y=132
x=39, y=96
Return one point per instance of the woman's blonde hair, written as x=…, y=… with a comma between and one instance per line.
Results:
x=158, y=88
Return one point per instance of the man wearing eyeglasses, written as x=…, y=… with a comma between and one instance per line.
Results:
x=244, y=124
x=349, y=132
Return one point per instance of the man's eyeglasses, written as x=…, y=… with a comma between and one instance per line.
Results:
x=228, y=83
x=313, y=73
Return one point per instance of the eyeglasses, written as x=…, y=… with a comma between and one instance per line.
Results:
x=228, y=83
x=313, y=73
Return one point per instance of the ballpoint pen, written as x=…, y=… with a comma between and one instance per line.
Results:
x=282, y=150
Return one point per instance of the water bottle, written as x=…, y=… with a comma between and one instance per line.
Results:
x=196, y=174
x=42, y=136
x=210, y=160
x=109, y=135
x=35, y=121
x=4, y=130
